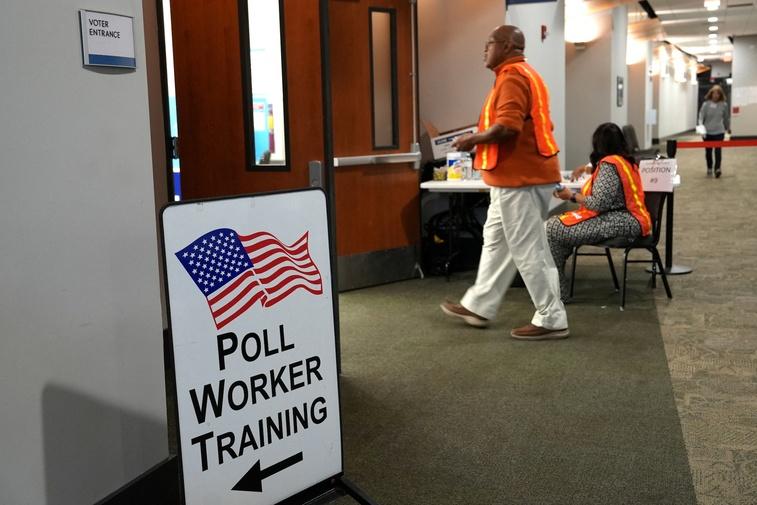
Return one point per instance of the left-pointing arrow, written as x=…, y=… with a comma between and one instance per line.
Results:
x=253, y=479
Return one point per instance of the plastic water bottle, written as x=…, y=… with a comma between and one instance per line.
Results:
x=459, y=165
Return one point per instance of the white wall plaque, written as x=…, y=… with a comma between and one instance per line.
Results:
x=252, y=322
x=107, y=40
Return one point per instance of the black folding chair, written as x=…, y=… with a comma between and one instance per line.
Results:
x=629, y=132
x=654, y=201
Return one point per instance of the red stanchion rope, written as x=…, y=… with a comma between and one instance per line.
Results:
x=717, y=143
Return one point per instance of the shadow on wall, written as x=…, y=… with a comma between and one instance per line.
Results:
x=92, y=448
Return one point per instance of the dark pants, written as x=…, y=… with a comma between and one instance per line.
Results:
x=708, y=151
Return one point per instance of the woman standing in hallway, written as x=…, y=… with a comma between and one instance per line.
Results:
x=716, y=118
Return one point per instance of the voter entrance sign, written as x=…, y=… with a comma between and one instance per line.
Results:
x=252, y=324
x=107, y=40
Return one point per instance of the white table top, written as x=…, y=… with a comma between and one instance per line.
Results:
x=468, y=186
x=478, y=186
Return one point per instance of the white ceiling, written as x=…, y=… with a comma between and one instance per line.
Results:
x=685, y=24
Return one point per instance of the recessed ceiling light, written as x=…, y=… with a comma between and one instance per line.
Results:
x=713, y=28
x=713, y=35
x=711, y=5
x=713, y=19
x=713, y=42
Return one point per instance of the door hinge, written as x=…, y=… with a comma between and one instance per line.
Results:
x=173, y=147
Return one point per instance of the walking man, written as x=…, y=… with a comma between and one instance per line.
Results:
x=517, y=154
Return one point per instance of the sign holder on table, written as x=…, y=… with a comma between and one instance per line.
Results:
x=251, y=318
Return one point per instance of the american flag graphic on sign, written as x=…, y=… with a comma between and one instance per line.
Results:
x=235, y=271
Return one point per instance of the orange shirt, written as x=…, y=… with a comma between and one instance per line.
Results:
x=518, y=160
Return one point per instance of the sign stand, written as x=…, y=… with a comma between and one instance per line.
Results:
x=658, y=175
x=340, y=487
x=670, y=268
x=355, y=492
x=252, y=327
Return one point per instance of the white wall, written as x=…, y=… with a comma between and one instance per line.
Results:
x=640, y=98
x=547, y=56
x=591, y=73
x=720, y=68
x=618, y=67
x=158, y=136
x=677, y=107
x=635, y=93
x=589, y=89
x=453, y=81
x=82, y=395
x=650, y=112
x=744, y=68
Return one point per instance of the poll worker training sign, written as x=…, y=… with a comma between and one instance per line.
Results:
x=252, y=322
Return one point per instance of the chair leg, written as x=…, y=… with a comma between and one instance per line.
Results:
x=625, y=278
x=653, y=280
x=573, y=273
x=612, y=269
x=664, y=277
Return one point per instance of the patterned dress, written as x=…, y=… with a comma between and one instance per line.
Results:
x=614, y=220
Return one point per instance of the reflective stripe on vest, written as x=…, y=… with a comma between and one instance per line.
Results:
x=545, y=141
x=634, y=193
x=632, y=190
x=486, y=154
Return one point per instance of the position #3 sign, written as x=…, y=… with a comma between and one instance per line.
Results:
x=252, y=322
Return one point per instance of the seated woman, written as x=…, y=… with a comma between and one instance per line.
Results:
x=611, y=202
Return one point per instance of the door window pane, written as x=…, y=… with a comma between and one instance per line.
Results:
x=384, y=78
x=266, y=127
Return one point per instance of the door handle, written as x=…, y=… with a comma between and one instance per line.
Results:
x=413, y=156
x=315, y=171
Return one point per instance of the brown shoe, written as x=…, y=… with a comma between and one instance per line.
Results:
x=457, y=310
x=533, y=332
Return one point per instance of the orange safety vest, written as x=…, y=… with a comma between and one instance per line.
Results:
x=632, y=189
x=486, y=154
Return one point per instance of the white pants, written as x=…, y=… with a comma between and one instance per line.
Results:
x=515, y=241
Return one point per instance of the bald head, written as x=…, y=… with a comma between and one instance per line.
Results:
x=505, y=42
x=513, y=35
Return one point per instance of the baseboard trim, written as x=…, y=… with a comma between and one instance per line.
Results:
x=377, y=267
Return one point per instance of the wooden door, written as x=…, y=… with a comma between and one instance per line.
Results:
x=377, y=205
x=209, y=74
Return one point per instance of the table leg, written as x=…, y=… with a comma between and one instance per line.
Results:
x=454, y=210
x=670, y=268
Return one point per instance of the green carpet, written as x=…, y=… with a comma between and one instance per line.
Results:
x=435, y=412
